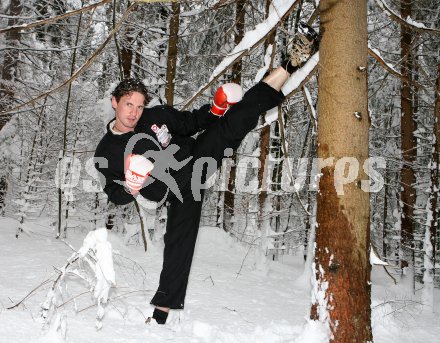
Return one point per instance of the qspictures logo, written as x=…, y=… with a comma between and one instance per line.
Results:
x=347, y=170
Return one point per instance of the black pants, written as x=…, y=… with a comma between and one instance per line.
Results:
x=184, y=217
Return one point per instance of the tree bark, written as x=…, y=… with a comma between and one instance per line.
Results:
x=264, y=142
x=8, y=73
x=172, y=53
x=66, y=118
x=435, y=178
x=262, y=171
x=408, y=145
x=385, y=217
x=229, y=197
x=127, y=52
x=9, y=62
x=115, y=7
x=342, y=235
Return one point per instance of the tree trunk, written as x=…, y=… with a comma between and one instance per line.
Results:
x=115, y=7
x=433, y=214
x=66, y=117
x=8, y=73
x=262, y=172
x=229, y=196
x=277, y=153
x=342, y=235
x=172, y=53
x=138, y=57
x=9, y=62
x=127, y=52
x=385, y=217
x=309, y=152
x=264, y=143
x=407, y=127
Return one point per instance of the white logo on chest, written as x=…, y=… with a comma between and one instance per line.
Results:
x=162, y=134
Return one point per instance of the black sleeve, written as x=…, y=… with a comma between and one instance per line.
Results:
x=186, y=123
x=115, y=192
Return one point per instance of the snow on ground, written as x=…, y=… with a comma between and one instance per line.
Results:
x=230, y=297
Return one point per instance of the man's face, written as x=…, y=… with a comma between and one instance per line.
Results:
x=128, y=111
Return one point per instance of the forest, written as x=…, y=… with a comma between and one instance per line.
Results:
x=343, y=173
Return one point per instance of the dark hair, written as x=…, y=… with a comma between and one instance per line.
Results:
x=127, y=86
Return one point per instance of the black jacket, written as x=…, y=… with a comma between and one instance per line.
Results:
x=113, y=149
x=163, y=135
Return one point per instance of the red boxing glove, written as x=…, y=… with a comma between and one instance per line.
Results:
x=137, y=169
x=226, y=95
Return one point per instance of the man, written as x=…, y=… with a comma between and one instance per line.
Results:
x=150, y=151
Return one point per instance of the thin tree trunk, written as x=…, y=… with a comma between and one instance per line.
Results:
x=9, y=69
x=308, y=150
x=66, y=117
x=277, y=152
x=264, y=143
x=115, y=37
x=31, y=165
x=143, y=229
x=172, y=53
x=137, y=58
x=170, y=71
x=239, y=29
x=407, y=127
x=385, y=216
x=229, y=196
x=262, y=171
x=127, y=52
x=342, y=234
x=96, y=210
x=435, y=181
x=109, y=223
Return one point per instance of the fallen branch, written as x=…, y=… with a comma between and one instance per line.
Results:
x=96, y=251
x=28, y=295
x=113, y=298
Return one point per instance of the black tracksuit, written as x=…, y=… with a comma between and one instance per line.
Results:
x=183, y=216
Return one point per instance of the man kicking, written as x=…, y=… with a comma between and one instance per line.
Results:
x=150, y=151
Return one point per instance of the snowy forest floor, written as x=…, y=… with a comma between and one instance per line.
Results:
x=232, y=296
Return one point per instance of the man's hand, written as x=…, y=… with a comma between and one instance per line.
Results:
x=226, y=95
x=137, y=169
